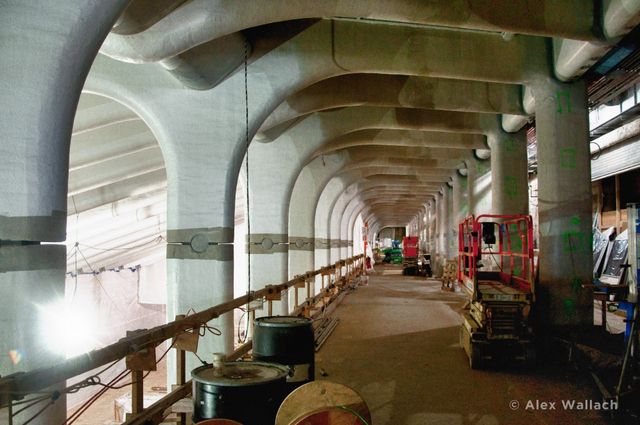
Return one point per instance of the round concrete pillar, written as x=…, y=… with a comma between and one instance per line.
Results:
x=509, y=184
x=564, y=202
x=47, y=49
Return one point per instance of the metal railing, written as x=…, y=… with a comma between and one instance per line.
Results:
x=16, y=386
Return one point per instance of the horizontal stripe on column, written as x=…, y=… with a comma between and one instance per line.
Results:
x=344, y=244
x=350, y=243
x=322, y=243
x=213, y=234
x=211, y=252
x=334, y=243
x=34, y=228
x=16, y=258
x=301, y=243
x=267, y=243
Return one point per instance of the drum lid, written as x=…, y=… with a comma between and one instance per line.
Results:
x=236, y=374
x=282, y=321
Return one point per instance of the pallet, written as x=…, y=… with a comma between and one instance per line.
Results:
x=450, y=275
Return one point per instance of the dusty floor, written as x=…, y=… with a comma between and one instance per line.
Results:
x=397, y=345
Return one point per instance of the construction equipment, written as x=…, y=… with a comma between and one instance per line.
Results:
x=500, y=301
x=392, y=255
x=410, y=255
x=449, y=275
x=424, y=266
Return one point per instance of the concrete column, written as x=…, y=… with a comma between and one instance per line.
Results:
x=509, y=183
x=450, y=223
x=270, y=180
x=327, y=250
x=430, y=230
x=564, y=202
x=471, y=182
x=352, y=211
x=302, y=220
x=435, y=240
x=423, y=228
x=338, y=231
x=47, y=49
x=459, y=207
x=202, y=179
x=481, y=191
x=443, y=225
x=310, y=202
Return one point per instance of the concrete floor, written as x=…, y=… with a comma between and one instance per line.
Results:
x=397, y=345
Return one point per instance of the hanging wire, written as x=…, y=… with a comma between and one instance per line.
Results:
x=156, y=240
x=98, y=279
x=39, y=412
x=95, y=380
x=242, y=337
x=247, y=142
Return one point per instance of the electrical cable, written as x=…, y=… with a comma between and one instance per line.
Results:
x=494, y=259
x=157, y=240
x=98, y=279
x=205, y=327
x=241, y=339
x=71, y=419
x=39, y=412
x=75, y=266
x=201, y=361
x=110, y=385
x=247, y=143
x=29, y=403
x=353, y=412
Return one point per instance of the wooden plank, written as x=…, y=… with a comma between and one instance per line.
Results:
x=137, y=391
x=609, y=219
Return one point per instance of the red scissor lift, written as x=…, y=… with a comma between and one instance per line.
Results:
x=498, y=320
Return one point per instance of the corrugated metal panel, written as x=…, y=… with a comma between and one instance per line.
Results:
x=618, y=159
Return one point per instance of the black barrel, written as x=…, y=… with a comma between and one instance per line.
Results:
x=287, y=340
x=247, y=392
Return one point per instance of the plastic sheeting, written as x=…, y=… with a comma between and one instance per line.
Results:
x=108, y=305
x=617, y=258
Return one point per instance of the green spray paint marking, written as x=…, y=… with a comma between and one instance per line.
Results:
x=510, y=145
x=481, y=168
x=517, y=271
x=575, y=241
x=576, y=284
x=510, y=186
x=560, y=96
x=569, y=307
x=568, y=158
x=575, y=220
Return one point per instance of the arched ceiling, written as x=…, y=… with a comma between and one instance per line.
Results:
x=117, y=188
x=403, y=131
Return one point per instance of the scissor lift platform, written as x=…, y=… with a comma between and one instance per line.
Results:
x=497, y=323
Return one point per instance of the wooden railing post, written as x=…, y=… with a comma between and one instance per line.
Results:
x=251, y=316
x=272, y=295
x=181, y=377
x=137, y=391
